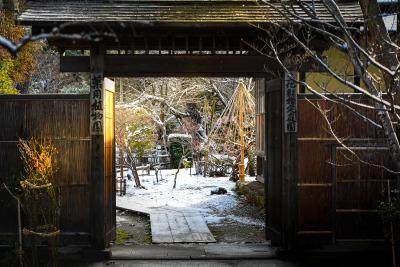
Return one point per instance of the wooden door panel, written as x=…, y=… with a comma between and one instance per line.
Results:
x=274, y=160
x=110, y=199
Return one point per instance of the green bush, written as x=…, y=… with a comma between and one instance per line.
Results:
x=176, y=152
x=390, y=211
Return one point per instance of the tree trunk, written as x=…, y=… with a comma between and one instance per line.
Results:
x=381, y=42
x=132, y=165
x=385, y=49
x=235, y=170
x=179, y=166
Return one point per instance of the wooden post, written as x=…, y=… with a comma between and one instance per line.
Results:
x=290, y=196
x=97, y=159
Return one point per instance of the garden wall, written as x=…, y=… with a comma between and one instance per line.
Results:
x=64, y=119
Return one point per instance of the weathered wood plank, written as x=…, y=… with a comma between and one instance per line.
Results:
x=179, y=227
x=198, y=228
x=160, y=230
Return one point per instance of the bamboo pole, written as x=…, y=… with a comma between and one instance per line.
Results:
x=212, y=112
x=121, y=91
x=241, y=165
x=205, y=116
x=206, y=133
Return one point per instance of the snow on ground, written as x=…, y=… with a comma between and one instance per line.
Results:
x=192, y=192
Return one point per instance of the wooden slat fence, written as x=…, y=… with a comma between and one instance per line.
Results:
x=337, y=197
x=64, y=119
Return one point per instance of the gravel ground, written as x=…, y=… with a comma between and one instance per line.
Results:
x=233, y=230
x=132, y=228
x=243, y=223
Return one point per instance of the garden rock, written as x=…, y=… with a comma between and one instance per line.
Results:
x=219, y=191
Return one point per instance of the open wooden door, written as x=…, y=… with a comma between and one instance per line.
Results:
x=109, y=136
x=260, y=129
x=281, y=161
x=273, y=179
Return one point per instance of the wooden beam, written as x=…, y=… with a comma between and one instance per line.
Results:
x=179, y=65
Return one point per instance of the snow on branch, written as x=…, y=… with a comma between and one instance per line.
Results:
x=163, y=101
x=56, y=33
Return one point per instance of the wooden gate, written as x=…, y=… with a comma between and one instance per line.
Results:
x=110, y=199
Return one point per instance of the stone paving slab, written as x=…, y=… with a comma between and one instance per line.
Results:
x=185, y=263
x=196, y=263
x=194, y=251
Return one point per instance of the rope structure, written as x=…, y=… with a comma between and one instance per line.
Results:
x=233, y=132
x=48, y=226
x=33, y=186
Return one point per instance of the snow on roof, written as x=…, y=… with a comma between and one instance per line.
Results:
x=390, y=22
x=177, y=135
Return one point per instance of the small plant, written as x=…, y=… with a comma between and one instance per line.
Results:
x=389, y=210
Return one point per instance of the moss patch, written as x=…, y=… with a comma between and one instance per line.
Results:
x=122, y=236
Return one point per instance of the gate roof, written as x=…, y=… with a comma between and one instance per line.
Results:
x=50, y=13
x=172, y=37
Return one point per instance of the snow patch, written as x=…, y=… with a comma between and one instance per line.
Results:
x=192, y=192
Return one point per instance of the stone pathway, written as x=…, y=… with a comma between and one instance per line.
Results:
x=175, y=225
